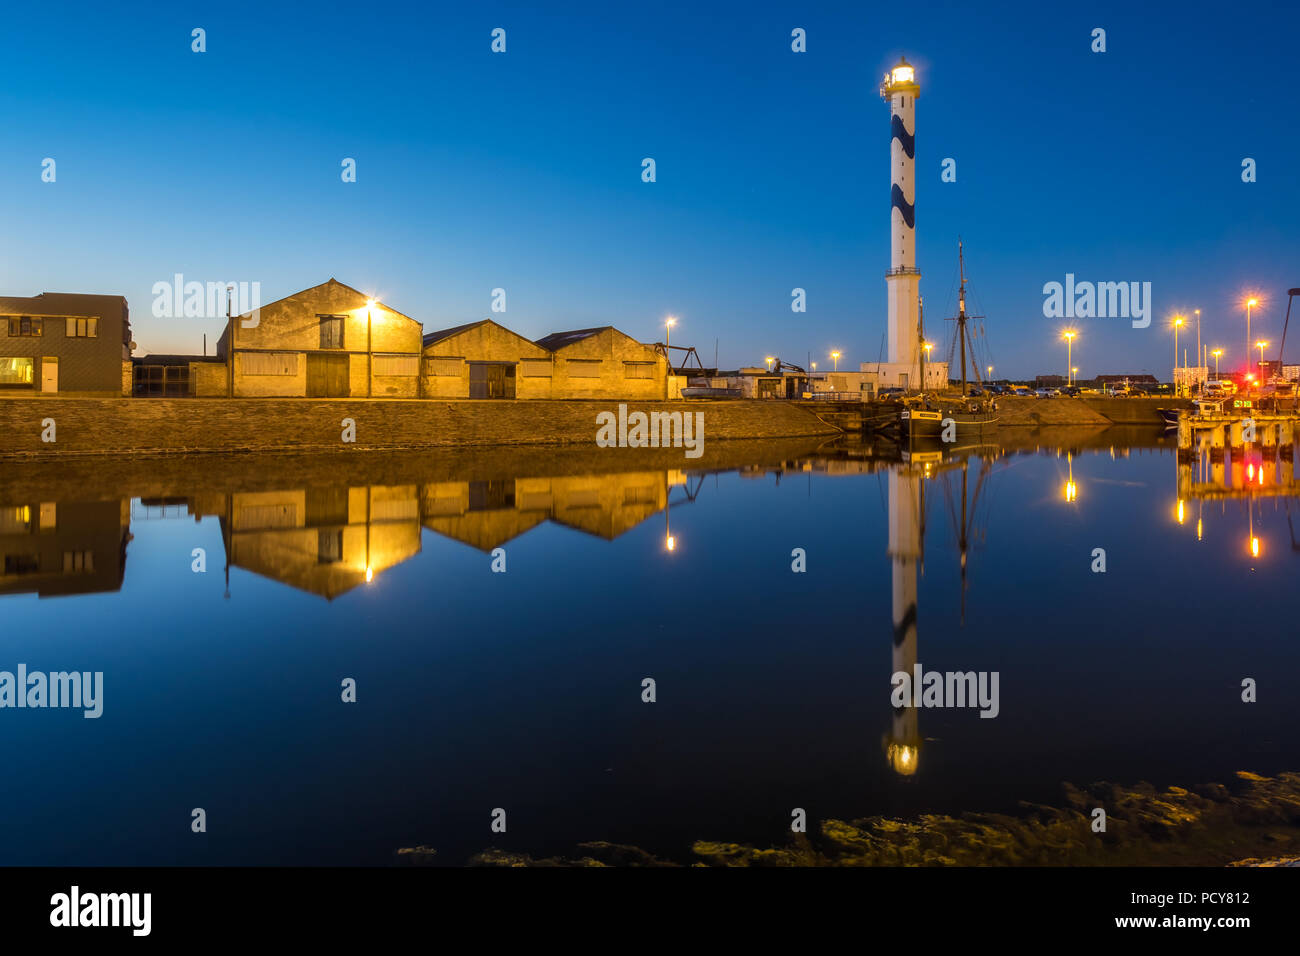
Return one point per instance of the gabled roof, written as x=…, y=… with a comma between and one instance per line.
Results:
x=558, y=340
x=431, y=337
x=341, y=285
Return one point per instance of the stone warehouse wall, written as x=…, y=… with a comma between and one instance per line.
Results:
x=169, y=426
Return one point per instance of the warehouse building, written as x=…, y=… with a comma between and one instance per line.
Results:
x=606, y=363
x=329, y=341
x=483, y=360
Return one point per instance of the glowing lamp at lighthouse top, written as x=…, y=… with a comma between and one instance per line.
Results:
x=901, y=78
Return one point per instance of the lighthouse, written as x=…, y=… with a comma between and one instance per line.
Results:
x=903, y=279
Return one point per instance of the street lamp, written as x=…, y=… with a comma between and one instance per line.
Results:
x=1197, y=313
x=836, y=357
x=1261, y=345
x=1178, y=324
x=668, y=351
x=1216, y=353
x=1250, y=304
x=370, y=355
x=769, y=361
x=1069, y=350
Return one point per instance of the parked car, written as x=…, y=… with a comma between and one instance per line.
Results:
x=1022, y=390
x=1045, y=393
x=1222, y=388
x=1071, y=390
x=886, y=394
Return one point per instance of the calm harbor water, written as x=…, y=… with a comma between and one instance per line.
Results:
x=523, y=690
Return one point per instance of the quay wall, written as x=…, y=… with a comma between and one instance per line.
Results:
x=187, y=426
x=1016, y=411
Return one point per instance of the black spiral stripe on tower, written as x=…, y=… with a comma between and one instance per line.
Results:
x=900, y=133
x=903, y=206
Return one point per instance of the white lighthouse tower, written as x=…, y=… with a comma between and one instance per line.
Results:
x=899, y=89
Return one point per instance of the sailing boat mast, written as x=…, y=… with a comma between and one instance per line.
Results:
x=920, y=339
x=961, y=312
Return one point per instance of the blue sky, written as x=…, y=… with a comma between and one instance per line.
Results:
x=522, y=170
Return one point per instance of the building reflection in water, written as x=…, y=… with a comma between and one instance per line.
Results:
x=487, y=514
x=326, y=540
x=69, y=547
x=323, y=539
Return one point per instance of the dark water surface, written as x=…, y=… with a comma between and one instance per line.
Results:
x=523, y=690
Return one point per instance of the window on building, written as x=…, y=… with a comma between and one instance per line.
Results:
x=268, y=363
x=16, y=519
x=444, y=366
x=82, y=328
x=22, y=563
x=536, y=368
x=17, y=371
x=331, y=331
x=26, y=326
x=78, y=562
x=397, y=365
x=329, y=545
x=638, y=369
x=583, y=368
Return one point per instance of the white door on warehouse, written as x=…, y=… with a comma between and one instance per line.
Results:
x=49, y=374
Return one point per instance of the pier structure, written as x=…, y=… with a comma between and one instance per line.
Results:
x=1212, y=434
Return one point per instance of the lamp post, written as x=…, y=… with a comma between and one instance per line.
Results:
x=835, y=356
x=1178, y=324
x=1069, y=352
x=370, y=355
x=769, y=361
x=1074, y=375
x=1197, y=312
x=1250, y=304
x=1216, y=353
x=1261, y=345
x=668, y=351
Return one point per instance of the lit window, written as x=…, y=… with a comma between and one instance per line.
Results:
x=17, y=371
x=25, y=326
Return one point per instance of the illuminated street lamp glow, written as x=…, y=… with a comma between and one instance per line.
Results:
x=1216, y=353
x=836, y=357
x=769, y=361
x=1261, y=345
x=1069, y=335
